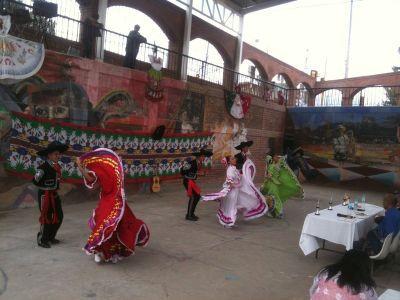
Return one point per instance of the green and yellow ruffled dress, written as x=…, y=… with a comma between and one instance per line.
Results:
x=280, y=184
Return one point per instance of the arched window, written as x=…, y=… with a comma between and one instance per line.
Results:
x=331, y=97
x=205, y=62
x=250, y=69
x=280, y=87
x=372, y=96
x=302, y=95
x=122, y=19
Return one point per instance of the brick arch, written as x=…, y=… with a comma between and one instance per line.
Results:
x=288, y=80
x=164, y=14
x=356, y=90
x=320, y=91
x=259, y=67
x=228, y=62
x=309, y=89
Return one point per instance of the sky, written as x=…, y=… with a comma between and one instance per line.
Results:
x=308, y=34
x=318, y=29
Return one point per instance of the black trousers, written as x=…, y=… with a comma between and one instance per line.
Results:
x=192, y=200
x=48, y=232
x=130, y=59
x=89, y=49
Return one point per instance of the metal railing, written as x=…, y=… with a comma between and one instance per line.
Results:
x=356, y=96
x=63, y=34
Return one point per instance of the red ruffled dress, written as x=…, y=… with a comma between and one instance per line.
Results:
x=115, y=229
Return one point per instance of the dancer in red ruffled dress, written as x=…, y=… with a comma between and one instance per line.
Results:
x=115, y=229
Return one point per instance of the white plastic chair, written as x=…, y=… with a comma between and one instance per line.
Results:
x=383, y=253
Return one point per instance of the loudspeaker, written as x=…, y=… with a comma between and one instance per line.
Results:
x=45, y=9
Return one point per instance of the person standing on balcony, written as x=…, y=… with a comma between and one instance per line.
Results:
x=132, y=47
x=91, y=31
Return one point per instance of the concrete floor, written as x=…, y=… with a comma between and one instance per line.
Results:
x=184, y=260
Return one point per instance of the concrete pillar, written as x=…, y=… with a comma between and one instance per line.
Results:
x=102, y=11
x=186, y=40
x=239, y=45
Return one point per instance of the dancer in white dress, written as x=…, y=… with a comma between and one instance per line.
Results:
x=239, y=196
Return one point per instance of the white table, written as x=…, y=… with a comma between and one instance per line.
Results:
x=390, y=295
x=329, y=227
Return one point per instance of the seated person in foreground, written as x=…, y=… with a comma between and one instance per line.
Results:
x=348, y=279
x=390, y=223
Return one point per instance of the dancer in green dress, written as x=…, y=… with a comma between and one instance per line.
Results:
x=280, y=184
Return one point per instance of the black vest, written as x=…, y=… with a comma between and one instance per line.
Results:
x=49, y=179
x=190, y=173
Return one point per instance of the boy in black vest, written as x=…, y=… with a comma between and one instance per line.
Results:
x=47, y=178
x=189, y=173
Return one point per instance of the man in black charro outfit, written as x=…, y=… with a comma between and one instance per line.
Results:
x=242, y=155
x=47, y=178
x=189, y=173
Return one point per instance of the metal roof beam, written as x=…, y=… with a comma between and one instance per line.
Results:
x=263, y=5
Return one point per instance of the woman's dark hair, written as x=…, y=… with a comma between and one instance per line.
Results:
x=228, y=158
x=355, y=271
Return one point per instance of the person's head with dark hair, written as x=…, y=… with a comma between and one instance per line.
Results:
x=137, y=27
x=390, y=201
x=231, y=159
x=353, y=271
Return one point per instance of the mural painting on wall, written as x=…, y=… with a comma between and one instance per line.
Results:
x=154, y=89
x=190, y=114
x=351, y=142
x=138, y=151
x=237, y=104
x=227, y=134
x=61, y=101
x=116, y=105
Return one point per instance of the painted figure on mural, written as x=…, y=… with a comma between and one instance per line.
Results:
x=132, y=47
x=186, y=127
x=115, y=229
x=352, y=144
x=341, y=144
x=189, y=172
x=47, y=179
x=191, y=112
x=117, y=104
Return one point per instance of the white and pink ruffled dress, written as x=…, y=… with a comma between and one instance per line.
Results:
x=239, y=196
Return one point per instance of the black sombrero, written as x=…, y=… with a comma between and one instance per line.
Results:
x=244, y=144
x=298, y=150
x=203, y=152
x=52, y=147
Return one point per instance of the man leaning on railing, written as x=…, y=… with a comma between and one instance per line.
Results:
x=132, y=47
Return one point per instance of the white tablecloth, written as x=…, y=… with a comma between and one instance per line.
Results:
x=328, y=226
x=390, y=295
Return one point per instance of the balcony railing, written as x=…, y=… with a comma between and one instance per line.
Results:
x=63, y=34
